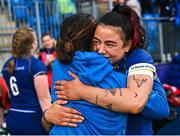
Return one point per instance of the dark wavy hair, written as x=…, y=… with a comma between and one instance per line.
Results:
x=76, y=34
x=129, y=22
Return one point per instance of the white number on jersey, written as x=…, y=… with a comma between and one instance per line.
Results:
x=13, y=85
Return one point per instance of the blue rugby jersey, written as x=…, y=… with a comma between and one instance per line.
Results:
x=96, y=70
x=24, y=115
x=21, y=83
x=156, y=107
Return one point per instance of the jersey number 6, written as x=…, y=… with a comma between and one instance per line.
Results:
x=14, y=86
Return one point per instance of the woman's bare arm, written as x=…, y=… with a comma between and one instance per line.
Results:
x=55, y=113
x=42, y=90
x=58, y=114
x=130, y=100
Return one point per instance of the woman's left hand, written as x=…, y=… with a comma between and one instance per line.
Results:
x=69, y=90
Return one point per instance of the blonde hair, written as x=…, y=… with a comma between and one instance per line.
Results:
x=22, y=42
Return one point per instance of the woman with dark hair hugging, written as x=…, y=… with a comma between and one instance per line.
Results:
x=120, y=37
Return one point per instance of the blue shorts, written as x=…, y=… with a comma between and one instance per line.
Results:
x=20, y=123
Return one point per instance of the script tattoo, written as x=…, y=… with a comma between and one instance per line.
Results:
x=97, y=96
x=109, y=106
x=120, y=92
x=139, y=82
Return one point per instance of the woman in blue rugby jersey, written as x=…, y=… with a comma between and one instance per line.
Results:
x=115, y=31
x=26, y=77
x=74, y=54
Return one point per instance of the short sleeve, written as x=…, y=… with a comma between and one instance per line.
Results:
x=138, y=56
x=37, y=67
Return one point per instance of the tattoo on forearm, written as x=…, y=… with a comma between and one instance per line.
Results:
x=135, y=94
x=106, y=93
x=109, y=106
x=112, y=91
x=120, y=92
x=139, y=82
x=97, y=96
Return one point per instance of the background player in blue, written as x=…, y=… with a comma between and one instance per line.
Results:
x=26, y=78
x=74, y=54
x=114, y=31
